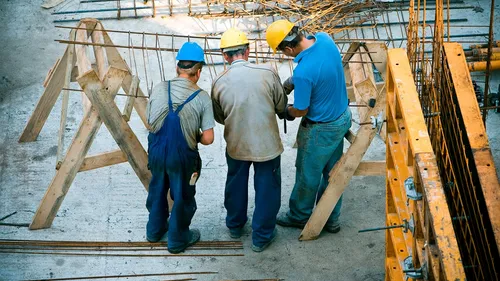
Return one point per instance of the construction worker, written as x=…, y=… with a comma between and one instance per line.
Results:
x=320, y=98
x=177, y=110
x=246, y=98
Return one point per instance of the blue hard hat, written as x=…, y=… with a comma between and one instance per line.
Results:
x=191, y=51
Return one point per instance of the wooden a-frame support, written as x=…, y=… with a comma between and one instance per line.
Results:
x=350, y=164
x=100, y=83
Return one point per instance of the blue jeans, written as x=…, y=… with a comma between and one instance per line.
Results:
x=320, y=146
x=267, y=184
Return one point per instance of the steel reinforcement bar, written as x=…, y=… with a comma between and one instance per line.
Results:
x=425, y=246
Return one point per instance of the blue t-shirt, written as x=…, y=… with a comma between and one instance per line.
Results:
x=319, y=80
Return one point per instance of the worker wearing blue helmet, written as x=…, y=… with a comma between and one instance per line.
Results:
x=180, y=116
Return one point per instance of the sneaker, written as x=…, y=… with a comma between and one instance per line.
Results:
x=236, y=233
x=286, y=221
x=333, y=228
x=195, y=237
x=263, y=247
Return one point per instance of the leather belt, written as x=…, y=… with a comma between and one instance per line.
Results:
x=308, y=122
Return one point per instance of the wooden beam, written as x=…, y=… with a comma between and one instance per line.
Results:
x=111, y=116
x=350, y=91
x=83, y=64
x=103, y=160
x=342, y=173
x=46, y=101
x=71, y=164
x=65, y=101
x=116, y=60
x=371, y=168
x=129, y=105
x=100, y=56
x=51, y=3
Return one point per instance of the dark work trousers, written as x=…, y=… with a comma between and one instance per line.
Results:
x=172, y=163
x=267, y=184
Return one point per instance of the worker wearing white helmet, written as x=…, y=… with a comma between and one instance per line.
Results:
x=320, y=98
x=246, y=99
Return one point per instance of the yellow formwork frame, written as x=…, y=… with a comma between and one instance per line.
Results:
x=432, y=245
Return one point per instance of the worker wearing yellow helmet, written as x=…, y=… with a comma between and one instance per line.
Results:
x=246, y=99
x=320, y=98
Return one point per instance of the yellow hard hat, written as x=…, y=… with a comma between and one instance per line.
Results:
x=276, y=32
x=232, y=38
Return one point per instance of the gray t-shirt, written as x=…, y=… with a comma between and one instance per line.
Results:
x=196, y=115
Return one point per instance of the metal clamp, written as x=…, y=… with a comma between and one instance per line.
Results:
x=412, y=272
x=377, y=122
x=411, y=192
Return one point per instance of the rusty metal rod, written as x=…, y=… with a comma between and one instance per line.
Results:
x=121, y=255
x=14, y=224
x=8, y=216
x=114, y=249
x=131, y=275
x=57, y=243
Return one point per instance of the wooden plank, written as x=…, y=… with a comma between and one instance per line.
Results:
x=71, y=164
x=103, y=160
x=51, y=3
x=341, y=174
x=49, y=74
x=378, y=54
x=116, y=60
x=65, y=102
x=140, y=104
x=129, y=105
x=371, y=168
x=83, y=61
x=46, y=102
x=350, y=91
x=100, y=56
x=117, y=126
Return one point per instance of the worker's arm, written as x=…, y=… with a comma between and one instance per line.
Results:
x=288, y=85
x=217, y=108
x=207, y=137
x=279, y=97
x=302, y=97
x=297, y=112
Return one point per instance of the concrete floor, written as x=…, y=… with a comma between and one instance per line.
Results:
x=108, y=204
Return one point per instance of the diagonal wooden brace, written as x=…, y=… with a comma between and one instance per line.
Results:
x=342, y=173
x=71, y=164
x=111, y=116
x=46, y=102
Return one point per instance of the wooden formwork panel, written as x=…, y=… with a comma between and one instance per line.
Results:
x=432, y=243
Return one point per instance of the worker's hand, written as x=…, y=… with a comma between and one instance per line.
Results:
x=288, y=85
x=288, y=116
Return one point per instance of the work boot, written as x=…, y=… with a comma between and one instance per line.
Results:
x=263, y=247
x=236, y=233
x=154, y=239
x=332, y=228
x=194, y=235
x=286, y=221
